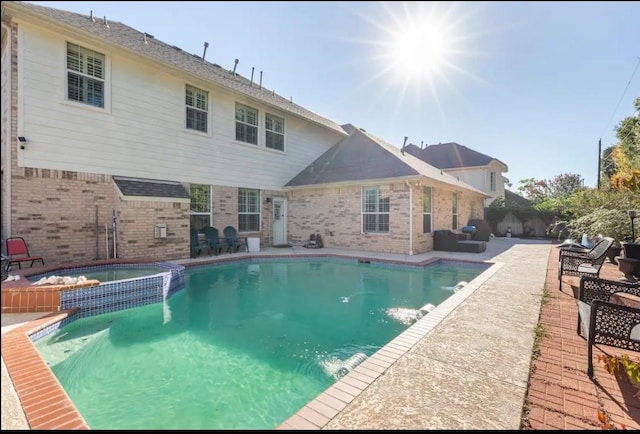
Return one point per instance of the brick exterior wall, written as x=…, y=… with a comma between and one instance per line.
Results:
x=66, y=217
x=335, y=213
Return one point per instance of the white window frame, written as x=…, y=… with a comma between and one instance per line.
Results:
x=454, y=211
x=492, y=181
x=91, y=70
x=271, y=130
x=201, y=208
x=427, y=207
x=375, y=211
x=248, y=207
x=196, y=103
x=244, y=124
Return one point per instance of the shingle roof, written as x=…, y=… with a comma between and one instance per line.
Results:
x=511, y=198
x=361, y=157
x=453, y=156
x=146, y=45
x=150, y=188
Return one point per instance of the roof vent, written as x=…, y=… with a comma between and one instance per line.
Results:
x=206, y=45
x=105, y=22
x=235, y=65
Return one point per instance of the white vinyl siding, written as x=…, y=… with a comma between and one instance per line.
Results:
x=145, y=135
x=200, y=206
x=246, y=124
x=274, y=132
x=375, y=211
x=248, y=210
x=426, y=210
x=197, y=102
x=85, y=75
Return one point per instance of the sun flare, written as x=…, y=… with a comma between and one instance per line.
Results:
x=418, y=51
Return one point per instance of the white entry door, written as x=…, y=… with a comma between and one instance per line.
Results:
x=279, y=221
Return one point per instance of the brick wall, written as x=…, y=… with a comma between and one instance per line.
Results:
x=335, y=213
x=66, y=217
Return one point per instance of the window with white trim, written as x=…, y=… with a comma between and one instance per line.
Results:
x=201, y=215
x=454, y=211
x=492, y=181
x=375, y=211
x=197, y=104
x=274, y=132
x=246, y=124
x=85, y=75
x=426, y=210
x=248, y=210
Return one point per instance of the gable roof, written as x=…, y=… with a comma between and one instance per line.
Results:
x=140, y=187
x=453, y=156
x=144, y=44
x=363, y=157
x=511, y=198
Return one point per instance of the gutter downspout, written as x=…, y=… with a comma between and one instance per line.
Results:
x=11, y=137
x=410, y=218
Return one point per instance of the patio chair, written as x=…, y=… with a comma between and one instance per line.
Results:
x=595, y=288
x=18, y=252
x=613, y=325
x=576, y=263
x=213, y=240
x=196, y=247
x=233, y=241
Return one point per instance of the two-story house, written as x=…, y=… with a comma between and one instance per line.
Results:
x=116, y=144
x=475, y=168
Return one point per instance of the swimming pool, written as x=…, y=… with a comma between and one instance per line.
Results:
x=243, y=346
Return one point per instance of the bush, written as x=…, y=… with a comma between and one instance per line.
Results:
x=614, y=223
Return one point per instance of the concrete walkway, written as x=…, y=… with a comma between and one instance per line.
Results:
x=470, y=371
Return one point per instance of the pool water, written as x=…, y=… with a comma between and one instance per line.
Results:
x=107, y=274
x=243, y=346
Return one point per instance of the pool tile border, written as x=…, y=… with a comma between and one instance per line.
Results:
x=322, y=409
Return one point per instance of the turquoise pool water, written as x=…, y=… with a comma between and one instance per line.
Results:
x=243, y=346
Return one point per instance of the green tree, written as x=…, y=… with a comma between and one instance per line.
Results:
x=558, y=188
x=620, y=164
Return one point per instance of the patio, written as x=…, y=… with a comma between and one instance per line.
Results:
x=473, y=370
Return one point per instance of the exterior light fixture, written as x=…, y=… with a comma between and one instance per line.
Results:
x=23, y=141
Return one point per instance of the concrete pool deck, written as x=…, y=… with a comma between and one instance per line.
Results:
x=468, y=368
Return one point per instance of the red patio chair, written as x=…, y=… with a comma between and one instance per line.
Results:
x=18, y=252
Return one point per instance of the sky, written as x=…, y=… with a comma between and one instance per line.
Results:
x=535, y=85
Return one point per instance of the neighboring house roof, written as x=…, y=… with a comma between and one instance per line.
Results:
x=362, y=157
x=511, y=198
x=141, y=43
x=150, y=188
x=452, y=156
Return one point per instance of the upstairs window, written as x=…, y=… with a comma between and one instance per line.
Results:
x=274, y=129
x=426, y=210
x=246, y=124
x=248, y=210
x=375, y=211
x=492, y=181
x=85, y=75
x=197, y=102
